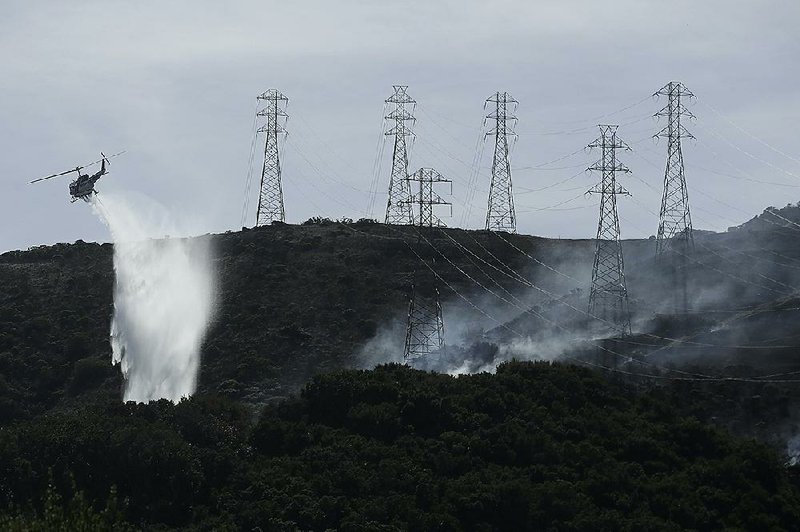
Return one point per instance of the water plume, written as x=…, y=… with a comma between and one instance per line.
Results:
x=163, y=299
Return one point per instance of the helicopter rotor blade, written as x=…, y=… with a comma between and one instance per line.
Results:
x=106, y=158
x=79, y=168
x=56, y=175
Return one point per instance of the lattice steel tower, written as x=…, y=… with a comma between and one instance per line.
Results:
x=427, y=197
x=675, y=221
x=425, y=326
x=608, y=298
x=398, y=210
x=270, y=199
x=500, y=215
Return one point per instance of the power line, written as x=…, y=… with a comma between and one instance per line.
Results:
x=343, y=202
x=752, y=136
x=595, y=317
x=747, y=153
x=561, y=182
x=601, y=348
x=472, y=185
x=606, y=115
x=690, y=375
x=376, y=165
x=548, y=163
x=513, y=297
x=555, y=205
x=683, y=256
x=251, y=158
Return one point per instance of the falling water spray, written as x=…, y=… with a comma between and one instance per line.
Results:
x=163, y=299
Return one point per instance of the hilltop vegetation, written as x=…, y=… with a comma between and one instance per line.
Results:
x=772, y=217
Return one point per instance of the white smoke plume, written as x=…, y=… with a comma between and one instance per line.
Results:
x=163, y=299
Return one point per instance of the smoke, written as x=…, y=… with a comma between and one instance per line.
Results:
x=737, y=318
x=725, y=274
x=478, y=342
x=385, y=347
x=163, y=299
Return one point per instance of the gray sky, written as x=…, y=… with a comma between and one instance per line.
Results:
x=175, y=82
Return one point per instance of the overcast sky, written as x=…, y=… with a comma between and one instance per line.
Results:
x=174, y=83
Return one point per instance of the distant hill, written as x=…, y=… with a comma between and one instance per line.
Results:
x=788, y=216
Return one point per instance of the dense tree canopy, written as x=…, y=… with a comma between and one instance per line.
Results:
x=536, y=446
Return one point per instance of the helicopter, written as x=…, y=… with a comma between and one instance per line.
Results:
x=83, y=186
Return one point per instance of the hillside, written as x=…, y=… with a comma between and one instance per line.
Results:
x=303, y=301
x=295, y=300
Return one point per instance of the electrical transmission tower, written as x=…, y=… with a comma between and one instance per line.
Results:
x=608, y=298
x=675, y=222
x=500, y=215
x=425, y=326
x=675, y=239
x=427, y=197
x=270, y=199
x=398, y=210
